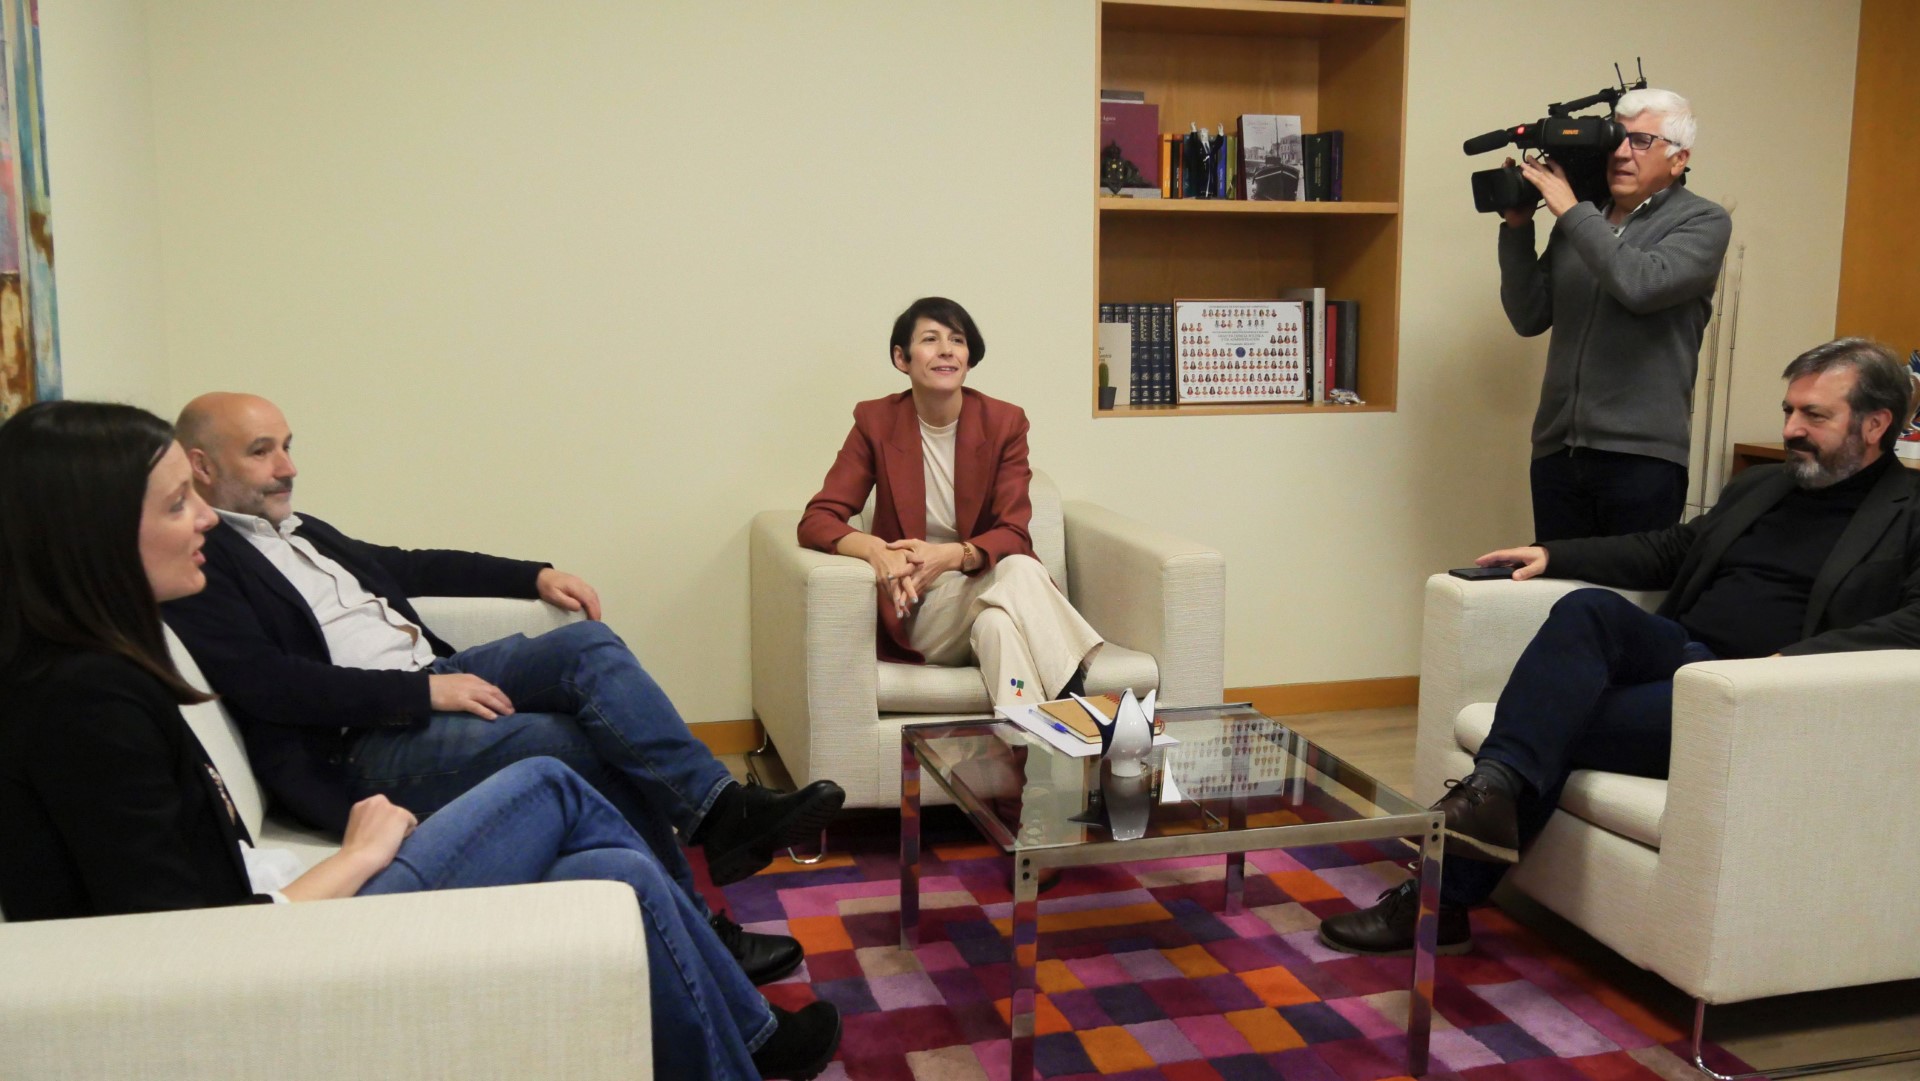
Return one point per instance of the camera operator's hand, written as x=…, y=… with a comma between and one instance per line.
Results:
x=1552, y=182
x=1515, y=217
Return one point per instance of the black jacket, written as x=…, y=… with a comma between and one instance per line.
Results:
x=261, y=649
x=108, y=804
x=1866, y=596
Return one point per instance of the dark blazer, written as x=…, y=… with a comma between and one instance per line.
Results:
x=882, y=455
x=261, y=649
x=1866, y=596
x=108, y=804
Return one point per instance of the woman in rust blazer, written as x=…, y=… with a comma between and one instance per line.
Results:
x=953, y=563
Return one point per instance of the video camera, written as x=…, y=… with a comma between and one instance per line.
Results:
x=1581, y=144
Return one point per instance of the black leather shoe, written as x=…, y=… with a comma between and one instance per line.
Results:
x=802, y=1046
x=750, y=823
x=1481, y=821
x=1386, y=929
x=764, y=958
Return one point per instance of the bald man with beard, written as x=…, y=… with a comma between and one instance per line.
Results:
x=341, y=691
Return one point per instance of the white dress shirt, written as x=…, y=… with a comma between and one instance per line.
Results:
x=361, y=630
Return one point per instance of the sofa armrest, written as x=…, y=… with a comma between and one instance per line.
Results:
x=1146, y=589
x=466, y=622
x=814, y=660
x=1792, y=825
x=527, y=981
x=1471, y=635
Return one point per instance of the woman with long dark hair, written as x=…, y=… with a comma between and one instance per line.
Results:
x=109, y=805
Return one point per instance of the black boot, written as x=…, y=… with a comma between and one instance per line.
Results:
x=764, y=958
x=1387, y=927
x=748, y=823
x=802, y=1046
x=1482, y=821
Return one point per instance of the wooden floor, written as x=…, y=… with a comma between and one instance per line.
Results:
x=1770, y=1032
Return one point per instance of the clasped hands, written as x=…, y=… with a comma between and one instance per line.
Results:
x=905, y=568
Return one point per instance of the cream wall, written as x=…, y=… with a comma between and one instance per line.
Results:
x=106, y=224
x=595, y=282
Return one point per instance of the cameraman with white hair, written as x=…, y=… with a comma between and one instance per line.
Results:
x=1627, y=288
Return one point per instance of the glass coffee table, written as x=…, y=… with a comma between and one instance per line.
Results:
x=1237, y=782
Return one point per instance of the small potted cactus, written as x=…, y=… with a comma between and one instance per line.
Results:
x=1106, y=388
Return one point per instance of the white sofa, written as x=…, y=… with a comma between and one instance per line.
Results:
x=1782, y=853
x=833, y=710
x=544, y=981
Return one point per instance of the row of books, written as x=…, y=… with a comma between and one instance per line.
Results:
x=1299, y=347
x=1266, y=157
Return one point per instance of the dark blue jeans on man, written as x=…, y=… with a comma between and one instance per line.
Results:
x=1581, y=492
x=1593, y=690
x=580, y=696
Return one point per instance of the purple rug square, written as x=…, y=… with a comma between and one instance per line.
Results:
x=1240, y=954
x=1361, y=1015
x=977, y=1021
x=835, y=965
x=1081, y=1009
x=851, y=996
x=1301, y=1064
x=983, y=951
x=1510, y=1042
x=903, y=990
x=1361, y=1060
x=1099, y=971
x=1164, y=1041
x=939, y=956
x=1320, y=857
x=1185, y=998
x=1144, y=965
x=1547, y=1021
x=1199, y=921
x=872, y=928
x=1457, y=1050
x=1316, y=1022
x=1546, y=1069
x=1361, y=977
x=959, y=986
x=1213, y=1035
x=1060, y=1053
x=1127, y=1003
x=1227, y=993
x=1245, y=1068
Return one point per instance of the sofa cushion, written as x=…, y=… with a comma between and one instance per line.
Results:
x=927, y=688
x=1629, y=806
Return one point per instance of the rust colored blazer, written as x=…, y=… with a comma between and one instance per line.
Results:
x=990, y=477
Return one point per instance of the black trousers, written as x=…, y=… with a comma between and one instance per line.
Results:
x=1579, y=492
x=1593, y=690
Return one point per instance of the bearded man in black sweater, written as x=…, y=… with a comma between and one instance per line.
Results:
x=1820, y=554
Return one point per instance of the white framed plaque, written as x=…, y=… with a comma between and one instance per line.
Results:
x=1234, y=351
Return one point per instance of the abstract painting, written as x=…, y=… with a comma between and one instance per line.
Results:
x=29, y=333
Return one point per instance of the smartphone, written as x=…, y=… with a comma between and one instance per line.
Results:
x=1476, y=574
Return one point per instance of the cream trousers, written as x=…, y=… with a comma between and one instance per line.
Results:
x=1023, y=633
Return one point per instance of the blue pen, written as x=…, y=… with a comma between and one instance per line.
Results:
x=1058, y=727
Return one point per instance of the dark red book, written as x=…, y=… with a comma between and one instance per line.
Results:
x=1135, y=128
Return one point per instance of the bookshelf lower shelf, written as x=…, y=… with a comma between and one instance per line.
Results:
x=1235, y=410
x=1110, y=204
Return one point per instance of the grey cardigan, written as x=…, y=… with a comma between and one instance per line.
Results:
x=1627, y=313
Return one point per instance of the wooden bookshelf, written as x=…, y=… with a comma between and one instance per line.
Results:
x=1209, y=61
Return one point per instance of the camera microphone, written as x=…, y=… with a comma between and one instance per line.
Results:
x=1493, y=140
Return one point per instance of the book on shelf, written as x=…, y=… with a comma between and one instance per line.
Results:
x=1346, y=351
x=1324, y=151
x=1313, y=333
x=1270, y=157
x=1116, y=352
x=1123, y=95
x=1129, y=145
x=1233, y=351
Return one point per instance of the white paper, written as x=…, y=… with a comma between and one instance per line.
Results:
x=1039, y=724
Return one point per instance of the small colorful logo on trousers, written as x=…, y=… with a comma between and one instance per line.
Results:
x=1018, y=686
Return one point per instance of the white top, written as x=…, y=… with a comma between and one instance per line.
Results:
x=361, y=630
x=936, y=446
x=269, y=870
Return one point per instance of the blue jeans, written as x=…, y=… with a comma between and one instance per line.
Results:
x=580, y=696
x=537, y=821
x=1593, y=690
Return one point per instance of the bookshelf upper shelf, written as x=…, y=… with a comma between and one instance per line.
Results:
x=1293, y=19
x=1116, y=205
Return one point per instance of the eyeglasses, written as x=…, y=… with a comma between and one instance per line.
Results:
x=1643, y=140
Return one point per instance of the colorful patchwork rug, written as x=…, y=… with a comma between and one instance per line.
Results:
x=1141, y=976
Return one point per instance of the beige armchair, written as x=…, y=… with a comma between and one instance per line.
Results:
x=834, y=710
x=544, y=980
x=1780, y=854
